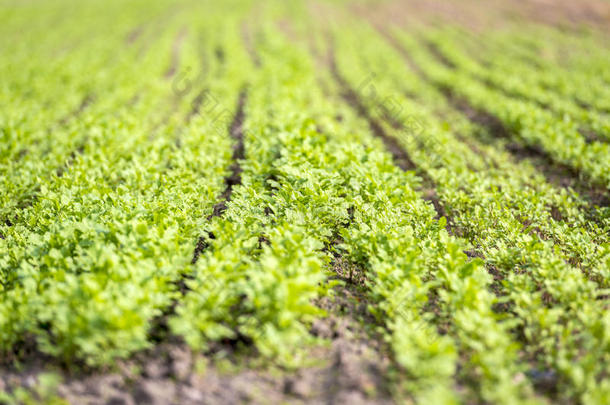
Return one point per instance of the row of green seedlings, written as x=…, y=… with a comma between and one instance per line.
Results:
x=539, y=287
x=246, y=279
x=556, y=215
x=532, y=124
x=581, y=231
x=508, y=79
x=52, y=85
x=572, y=66
x=45, y=133
x=264, y=261
x=584, y=237
x=96, y=258
x=465, y=304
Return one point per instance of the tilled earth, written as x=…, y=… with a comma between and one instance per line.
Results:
x=349, y=369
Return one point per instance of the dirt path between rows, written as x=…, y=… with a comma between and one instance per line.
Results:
x=349, y=369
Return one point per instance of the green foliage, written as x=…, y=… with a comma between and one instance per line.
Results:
x=127, y=206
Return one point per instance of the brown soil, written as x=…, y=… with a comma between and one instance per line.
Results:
x=557, y=174
x=287, y=29
x=177, y=45
x=134, y=35
x=248, y=39
x=86, y=102
x=481, y=15
x=350, y=369
x=234, y=178
x=399, y=155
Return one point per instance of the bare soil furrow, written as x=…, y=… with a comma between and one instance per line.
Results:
x=357, y=357
x=558, y=174
x=175, y=57
x=86, y=102
x=196, y=105
x=589, y=134
x=159, y=331
x=400, y=156
x=250, y=45
x=234, y=178
x=78, y=151
x=134, y=35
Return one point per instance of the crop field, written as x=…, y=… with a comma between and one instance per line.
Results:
x=305, y=201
